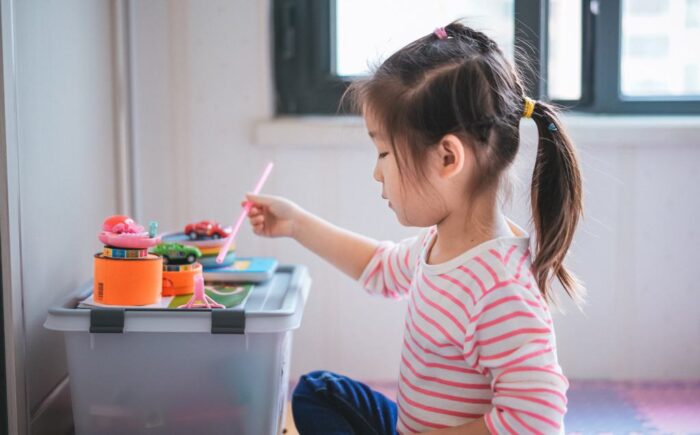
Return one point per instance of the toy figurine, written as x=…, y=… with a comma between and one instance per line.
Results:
x=121, y=231
x=206, y=229
x=152, y=229
x=175, y=253
x=200, y=299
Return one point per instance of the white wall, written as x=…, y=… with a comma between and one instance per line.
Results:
x=203, y=81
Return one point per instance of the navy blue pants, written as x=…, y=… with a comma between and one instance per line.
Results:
x=330, y=404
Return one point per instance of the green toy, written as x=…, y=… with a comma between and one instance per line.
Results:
x=175, y=253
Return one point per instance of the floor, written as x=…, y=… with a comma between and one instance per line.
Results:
x=289, y=428
x=615, y=407
x=597, y=407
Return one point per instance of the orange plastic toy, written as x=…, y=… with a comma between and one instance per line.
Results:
x=128, y=282
x=180, y=283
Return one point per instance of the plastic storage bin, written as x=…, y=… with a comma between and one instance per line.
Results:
x=184, y=371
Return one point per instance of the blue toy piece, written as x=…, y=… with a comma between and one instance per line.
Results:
x=152, y=229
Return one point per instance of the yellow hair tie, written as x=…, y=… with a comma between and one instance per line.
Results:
x=529, y=107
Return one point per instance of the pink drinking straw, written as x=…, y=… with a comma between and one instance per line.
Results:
x=246, y=208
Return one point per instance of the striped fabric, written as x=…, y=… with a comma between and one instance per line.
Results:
x=478, y=341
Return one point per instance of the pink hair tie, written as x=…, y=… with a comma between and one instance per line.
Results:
x=441, y=33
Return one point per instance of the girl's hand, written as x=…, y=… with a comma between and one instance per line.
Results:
x=273, y=216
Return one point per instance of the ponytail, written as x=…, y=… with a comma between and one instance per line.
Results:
x=557, y=203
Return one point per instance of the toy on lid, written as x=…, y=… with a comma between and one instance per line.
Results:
x=178, y=279
x=208, y=236
x=200, y=299
x=175, y=253
x=121, y=231
x=206, y=229
x=124, y=272
x=179, y=267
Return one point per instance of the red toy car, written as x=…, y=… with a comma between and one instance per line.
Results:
x=205, y=229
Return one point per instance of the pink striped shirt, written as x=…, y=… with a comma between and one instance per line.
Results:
x=478, y=340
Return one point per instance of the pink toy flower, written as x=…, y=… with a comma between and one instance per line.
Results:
x=200, y=299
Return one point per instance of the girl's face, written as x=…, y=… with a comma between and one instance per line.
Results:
x=413, y=206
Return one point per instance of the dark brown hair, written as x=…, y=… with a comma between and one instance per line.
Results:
x=464, y=85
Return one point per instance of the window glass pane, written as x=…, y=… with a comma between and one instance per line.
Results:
x=565, y=32
x=365, y=36
x=660, y=48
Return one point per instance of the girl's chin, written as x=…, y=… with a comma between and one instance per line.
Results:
x=400, y=217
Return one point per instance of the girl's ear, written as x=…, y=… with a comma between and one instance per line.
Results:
x=452, y=154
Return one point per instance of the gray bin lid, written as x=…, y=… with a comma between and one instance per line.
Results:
x=276, y=305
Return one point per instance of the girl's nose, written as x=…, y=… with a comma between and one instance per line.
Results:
x=377, y=173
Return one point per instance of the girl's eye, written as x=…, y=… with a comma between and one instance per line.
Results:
x=382, y=155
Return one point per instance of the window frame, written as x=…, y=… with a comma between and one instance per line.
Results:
x=304, y=37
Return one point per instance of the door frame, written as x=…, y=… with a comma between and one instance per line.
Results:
x=15, y=395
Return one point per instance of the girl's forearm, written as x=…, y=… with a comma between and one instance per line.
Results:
x=348, y=251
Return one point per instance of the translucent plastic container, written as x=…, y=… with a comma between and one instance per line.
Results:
x=184, y=371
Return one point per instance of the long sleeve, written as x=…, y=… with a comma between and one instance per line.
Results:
x=390, y=270
x=511, y=339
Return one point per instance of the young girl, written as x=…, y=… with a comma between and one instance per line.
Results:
x=479, y=351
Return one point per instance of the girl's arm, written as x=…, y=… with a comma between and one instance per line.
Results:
x=278, y=217
x=348, y=251
x=382, y=268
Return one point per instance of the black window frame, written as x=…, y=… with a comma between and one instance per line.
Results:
x=304, y=37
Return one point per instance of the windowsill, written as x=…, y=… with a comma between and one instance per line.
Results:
x=585, y=129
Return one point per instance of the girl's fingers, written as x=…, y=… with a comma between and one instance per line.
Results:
x=260, y=199
x=253, y=205
x=256, y=211
x=255, y=220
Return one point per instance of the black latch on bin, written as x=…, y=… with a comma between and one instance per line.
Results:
x=228, y=321
x=107, y=320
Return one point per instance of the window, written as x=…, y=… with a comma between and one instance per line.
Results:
x=565, y=45
x=660, y=56
x=609, y=56
x=364, y=39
